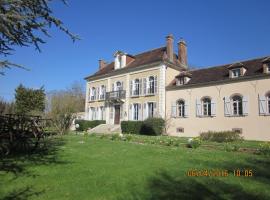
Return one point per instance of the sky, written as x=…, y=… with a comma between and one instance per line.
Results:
x=216, y=32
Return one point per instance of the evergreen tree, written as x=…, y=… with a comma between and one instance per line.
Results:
x=29, y=101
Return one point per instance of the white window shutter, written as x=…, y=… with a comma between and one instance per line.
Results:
x=130, y=87
x=262, y=105
x=112, y=89
x=186, y=110
x=155, y=85
x=155, y=109
x=98, y=93
x=122, y=85
x=130, y=116
x=140, y=87
x=140, y=112
x=144, y=86
x=144, y=111
x=213, y=107
x=227, y=107
x=198, y=108
x=173, y=109
x=245, y=105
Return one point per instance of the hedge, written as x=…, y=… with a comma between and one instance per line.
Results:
x=150, y=126
x=84, y=125
x=221, y=136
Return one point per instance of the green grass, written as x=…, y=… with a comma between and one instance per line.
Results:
x=84, y=167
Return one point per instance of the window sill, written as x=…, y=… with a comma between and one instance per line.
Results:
x=236, y=116
x=206, y=116
x=265, y=115
x=135, y=96
x=152, y=94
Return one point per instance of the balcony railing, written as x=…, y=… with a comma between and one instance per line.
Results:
x=114, y=95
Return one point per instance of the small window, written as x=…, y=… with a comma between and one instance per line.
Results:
x=237, y=103
x=181, y=108
x=181, y=81
x=180, y=130
x=236, y=73
x=206, y=102
x=237, y=130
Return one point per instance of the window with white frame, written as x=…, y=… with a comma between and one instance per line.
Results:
x=237, y=105
x=135, y=111
x=102, y=92
x=180, y=81
x=136, y=89
x=92, y=113
x=93, y=94
x=151, y=109
x=181, y=108
x=236, y=73
x=151, y=83
x=119, y=86
x=206, y=106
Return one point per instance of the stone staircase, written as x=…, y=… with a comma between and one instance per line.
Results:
x=106, y=129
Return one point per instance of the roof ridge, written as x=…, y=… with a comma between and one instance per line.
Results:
x=149, y=50
x=223, y=65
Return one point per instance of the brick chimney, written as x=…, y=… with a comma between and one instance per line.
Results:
x=182, y=52
x=169, y=47
x=102, y=64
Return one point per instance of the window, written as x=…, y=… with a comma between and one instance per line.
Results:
x=151, y=89
x=150, y=109
x=237, y=104
x=181, y=108
x=236, y=73
x=181, y=81
x=268, y=67
x=136, y=90
x=119, y=86
x=93, y=94
x=101, y=109
x=135, y=111
x=102, y=92
x=206, y=103
x=93, y=113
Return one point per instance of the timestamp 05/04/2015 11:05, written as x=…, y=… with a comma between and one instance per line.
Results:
x=219, y=173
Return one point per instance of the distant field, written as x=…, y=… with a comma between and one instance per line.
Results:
x=84, y=167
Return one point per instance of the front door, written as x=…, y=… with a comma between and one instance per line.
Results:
x=117, y=114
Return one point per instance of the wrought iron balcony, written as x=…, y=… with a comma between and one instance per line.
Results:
x=116, y=95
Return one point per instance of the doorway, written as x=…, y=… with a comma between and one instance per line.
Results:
x=117, y=114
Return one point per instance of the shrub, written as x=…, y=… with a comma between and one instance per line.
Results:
x=222, y=136
x=231, y=147
x=131, y=127
x=84, y=125
x=151, y=126
x=264, y=148
x=194, y=143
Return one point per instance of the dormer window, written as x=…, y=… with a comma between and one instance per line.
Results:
x=236, y=70
x=183, y=78
x=236, y=73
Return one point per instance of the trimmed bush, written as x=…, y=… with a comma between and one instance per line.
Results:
x=151, y=126
x=222, y=136
x=264, y=148
x=84, y=125
x=131, y=127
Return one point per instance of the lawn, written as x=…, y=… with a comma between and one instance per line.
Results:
x=87, y=167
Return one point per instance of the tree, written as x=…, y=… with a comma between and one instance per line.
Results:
x=23, y=23
x=29, y=101
x=6, y=107
x=62, y=106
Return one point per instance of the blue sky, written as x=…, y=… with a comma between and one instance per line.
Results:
x=217, y=32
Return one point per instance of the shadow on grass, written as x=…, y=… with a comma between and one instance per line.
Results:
x=18, y=165
x=21, y=194
x=167, y=187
